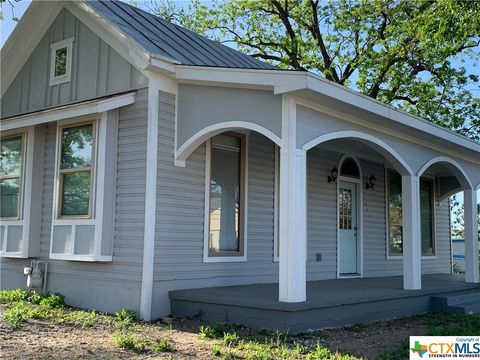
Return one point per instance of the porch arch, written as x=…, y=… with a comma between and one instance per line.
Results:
x=386, y=150
x=187, y=148
x=454, y=166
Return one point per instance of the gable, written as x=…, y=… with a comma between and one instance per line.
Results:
x=97, y=70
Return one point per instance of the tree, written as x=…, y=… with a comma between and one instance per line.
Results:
x=457, y=214
x=406, y=53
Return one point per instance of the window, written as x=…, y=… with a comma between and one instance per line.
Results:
x=11, y=165
x=349, y=168
x=61, y=61
x=76, y=171
x=394, y=212
x=84, y=197
x=226, y=194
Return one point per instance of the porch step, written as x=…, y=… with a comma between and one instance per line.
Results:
x=458, y=303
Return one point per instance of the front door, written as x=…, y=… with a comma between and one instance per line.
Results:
x=348, y=228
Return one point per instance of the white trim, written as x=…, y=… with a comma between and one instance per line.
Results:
x=276, y=204
x=359, y=183
x=189, y=146
x=390, y=154
x=69, y=111
x=471, y=236
x=464, y=182
x=244, y=217
x=60, y=79
x=150, y=204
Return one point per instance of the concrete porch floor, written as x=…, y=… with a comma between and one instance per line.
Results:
x=329, y=302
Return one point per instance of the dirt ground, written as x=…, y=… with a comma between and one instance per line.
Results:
x=42, y=339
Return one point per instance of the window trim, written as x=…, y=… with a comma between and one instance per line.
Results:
x=230, y=256
x=21, y=176
x=57, y=80
x=59, y=174
x=434, y=220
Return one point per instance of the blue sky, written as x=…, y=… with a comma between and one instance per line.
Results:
x=7, y=25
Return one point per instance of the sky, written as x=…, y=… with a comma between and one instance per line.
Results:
x=8, y=24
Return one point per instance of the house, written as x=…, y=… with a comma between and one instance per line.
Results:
x=153, y=169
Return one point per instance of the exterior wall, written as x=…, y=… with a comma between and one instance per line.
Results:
x=180, y=220
x=97, y=70
x=103, y=286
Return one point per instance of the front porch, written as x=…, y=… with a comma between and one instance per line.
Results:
x=329, y=303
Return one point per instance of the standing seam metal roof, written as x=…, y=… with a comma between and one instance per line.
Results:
x=160, y=37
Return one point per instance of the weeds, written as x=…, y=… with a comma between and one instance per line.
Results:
x=163, y=345
x=125, y=315
x=230, y=338
x=212, y=331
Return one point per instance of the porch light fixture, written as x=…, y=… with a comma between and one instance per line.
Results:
x=334, y=175
x=371, y=182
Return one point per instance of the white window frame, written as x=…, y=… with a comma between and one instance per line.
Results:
x=242, y=257
x=434, y=220
x=67, y=43
x=61, y=126
x=101, y=212
x=30, y=195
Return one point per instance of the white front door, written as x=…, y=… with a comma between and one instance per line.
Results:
x=348, y=228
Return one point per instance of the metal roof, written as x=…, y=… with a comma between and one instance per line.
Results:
x=161, y=37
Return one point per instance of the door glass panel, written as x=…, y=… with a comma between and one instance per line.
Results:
x=345, y=209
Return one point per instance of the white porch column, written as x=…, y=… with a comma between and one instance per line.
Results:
x=292, y=227
x=471, y=236
x=412, y=246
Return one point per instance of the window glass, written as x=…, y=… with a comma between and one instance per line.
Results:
x=426, y=216
x=349, y=168
x=75, y=170
x=10, y=176
x=76, y=193
x=61, y=62
x=394, y=192
x=225, y=184
x=77, y=147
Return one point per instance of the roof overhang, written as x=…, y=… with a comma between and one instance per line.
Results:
x=69, y=111
x=301, y=83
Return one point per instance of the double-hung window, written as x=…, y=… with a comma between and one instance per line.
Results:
x=21, y=156
x=394, y=214
x=11, y=170
x=225, y=198
x=84, y=197
x=76, y=171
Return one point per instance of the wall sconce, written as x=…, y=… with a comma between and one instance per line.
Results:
x=371, y=182
x=334, y=175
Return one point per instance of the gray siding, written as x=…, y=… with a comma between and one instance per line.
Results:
x=103, y=286
x=180, y=219
x=101, y=71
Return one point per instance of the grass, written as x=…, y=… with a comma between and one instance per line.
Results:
x=221, y=341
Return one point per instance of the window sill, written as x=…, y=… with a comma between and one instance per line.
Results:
x=13, y=255
x=224, y=259
x=85, y=258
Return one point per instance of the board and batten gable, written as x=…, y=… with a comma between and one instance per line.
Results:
x=97, y=70
x=104, y=286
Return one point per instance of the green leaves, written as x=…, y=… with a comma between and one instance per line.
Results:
x=407, y=53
